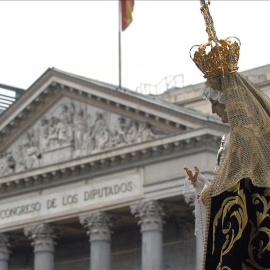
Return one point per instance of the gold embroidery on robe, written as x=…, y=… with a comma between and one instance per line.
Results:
x=240, y=214
x=258, y=230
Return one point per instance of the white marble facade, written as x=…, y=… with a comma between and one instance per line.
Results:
x=69, y=130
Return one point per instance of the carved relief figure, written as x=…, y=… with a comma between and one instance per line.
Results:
x=104, y=139
x=31, y=146
x=21, y=160
x=33, y=154
x=146, y=133
x=88, y=142
x=65, y=116
x=64, y=125
x=67, y=123
x=11, y=161
x=80, y=129
x=52, y=136
x=99, y=125
x=132, y=132
x=62, y=132
x=121, y=128
x=7, y=163
x=44, y=133
x=114, y=138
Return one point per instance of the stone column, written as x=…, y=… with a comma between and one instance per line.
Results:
x=98, y=225
x=4, y=252
x=150, y=214
x=43, y=236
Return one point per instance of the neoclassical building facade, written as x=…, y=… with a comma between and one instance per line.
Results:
x=92, y=176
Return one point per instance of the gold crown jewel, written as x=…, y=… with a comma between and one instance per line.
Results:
x=216, y=57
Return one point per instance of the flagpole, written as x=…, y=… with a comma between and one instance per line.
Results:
x=119, y=45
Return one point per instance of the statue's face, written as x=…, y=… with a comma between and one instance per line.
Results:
x=219, y=109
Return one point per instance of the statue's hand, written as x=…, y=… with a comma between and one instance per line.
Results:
x=192, y=177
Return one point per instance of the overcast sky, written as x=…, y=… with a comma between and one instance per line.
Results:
x=81, y=37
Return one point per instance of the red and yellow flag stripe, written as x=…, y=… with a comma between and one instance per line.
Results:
x=126, y=9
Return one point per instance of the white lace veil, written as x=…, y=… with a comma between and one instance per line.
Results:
x=209, y=93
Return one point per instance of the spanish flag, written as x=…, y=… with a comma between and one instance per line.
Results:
x=126, y=10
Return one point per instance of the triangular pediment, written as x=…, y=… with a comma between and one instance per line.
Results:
x=72, y=129
x=62, y=117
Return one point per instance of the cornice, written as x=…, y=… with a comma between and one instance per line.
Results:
x=136, y=101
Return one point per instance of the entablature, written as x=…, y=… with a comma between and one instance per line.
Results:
x=132, y=156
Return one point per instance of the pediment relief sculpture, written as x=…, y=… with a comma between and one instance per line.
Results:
x=70, y=130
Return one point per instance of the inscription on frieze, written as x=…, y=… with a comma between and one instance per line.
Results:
x=73, y=199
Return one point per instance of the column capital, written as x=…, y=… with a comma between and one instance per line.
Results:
x=43, y=236
x=98, y=225
x=4, y=246
x=150, y=213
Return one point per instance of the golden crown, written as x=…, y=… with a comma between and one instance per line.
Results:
x=216, y=57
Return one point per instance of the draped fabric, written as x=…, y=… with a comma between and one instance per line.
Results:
x=248, y=155
x=238, y=200
x=239, y=234
x=126, y=11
